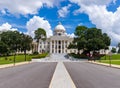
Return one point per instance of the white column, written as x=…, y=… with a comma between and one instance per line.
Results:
x=50, y=46
x=57, y=46
x=61, y=47
x=54, y=46
x=64, y=46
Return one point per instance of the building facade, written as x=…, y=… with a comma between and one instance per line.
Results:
x=57, y=43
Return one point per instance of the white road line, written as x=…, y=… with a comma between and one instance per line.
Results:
x=61, y=78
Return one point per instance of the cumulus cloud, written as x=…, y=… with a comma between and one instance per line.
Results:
x=71, y=35
x=98, y=14
x=38, y=22
x=6, y=27
x=25, y=7
x=64, y=11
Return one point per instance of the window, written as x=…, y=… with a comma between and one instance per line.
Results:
x=59, y=33
x=59, y=42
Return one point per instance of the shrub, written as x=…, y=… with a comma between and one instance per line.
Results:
x=40, y=56
x=35, y=53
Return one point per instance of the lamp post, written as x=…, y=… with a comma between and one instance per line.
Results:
x=110, y=54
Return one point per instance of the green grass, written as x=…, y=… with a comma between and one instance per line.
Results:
x=10, y=59
x=115, y=59
x=40, y=56
x=20, y=58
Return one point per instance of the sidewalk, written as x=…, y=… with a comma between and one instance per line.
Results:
x=112, y=65
x=61, y=78
x=16, y=64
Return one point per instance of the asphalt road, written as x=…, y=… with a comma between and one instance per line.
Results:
x=86, y=75
x=34, y=75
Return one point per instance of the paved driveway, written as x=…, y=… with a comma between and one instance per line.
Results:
x=34, y=75
x=86, y=75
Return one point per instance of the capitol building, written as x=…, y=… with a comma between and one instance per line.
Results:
x=57, y=43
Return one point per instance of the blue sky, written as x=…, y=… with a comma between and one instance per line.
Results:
x=26, y=15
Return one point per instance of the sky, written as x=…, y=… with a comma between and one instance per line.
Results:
x=28, y=15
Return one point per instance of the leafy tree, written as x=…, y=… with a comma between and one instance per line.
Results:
x=113, y=50
x=119, y=47
x=26, y=43
x=71, y=46
x=40, y=33
x=79, y=40
x=3, y=48
x=81, y=44
x=80, y=31
x=91, y=39
x=12, y=39
x=106, y=40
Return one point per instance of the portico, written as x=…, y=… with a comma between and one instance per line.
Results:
x=58, y=46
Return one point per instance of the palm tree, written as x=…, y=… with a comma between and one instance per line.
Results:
x=40, y=33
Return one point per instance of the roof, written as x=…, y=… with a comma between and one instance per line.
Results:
x=59, y=27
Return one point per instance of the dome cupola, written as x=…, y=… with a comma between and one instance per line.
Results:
x=59, y=29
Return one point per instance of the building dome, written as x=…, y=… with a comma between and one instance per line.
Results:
x=59, y=27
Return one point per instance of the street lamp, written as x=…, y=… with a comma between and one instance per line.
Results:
x=110, y=54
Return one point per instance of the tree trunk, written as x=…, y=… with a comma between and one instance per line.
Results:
x=14, y=58
x=25, y=54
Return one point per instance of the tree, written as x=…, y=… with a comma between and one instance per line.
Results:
x=113, y=50
x=96, y=40
x=119, y=47
x=91, y=39
x=80, y=31
x=40, y=33
x=71, y=46
x=26, y=43
x=106, y=40
x=3, y=48
x=79, y=40
x=12, y=39
x=81, y=44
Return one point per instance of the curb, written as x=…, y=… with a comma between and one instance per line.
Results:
x=103, y=64
x=12, y=65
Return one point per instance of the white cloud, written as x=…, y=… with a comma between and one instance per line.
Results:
x=71, y=35
x=6, y=27
x=92, y=2
x=25, y=7
x=64, y=11
x=98, y=14
x=38, y=22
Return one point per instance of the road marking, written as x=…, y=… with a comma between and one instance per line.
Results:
x=61, y=78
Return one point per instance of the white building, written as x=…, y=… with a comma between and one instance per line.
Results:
x=57, y=43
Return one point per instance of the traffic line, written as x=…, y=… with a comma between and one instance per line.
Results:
x=61, y=78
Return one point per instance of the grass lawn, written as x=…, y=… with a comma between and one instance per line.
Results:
x=10, y=59
x=20, y=58
x=115, y=59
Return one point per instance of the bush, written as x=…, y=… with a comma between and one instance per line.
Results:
x=35, y=53
x=40, y=56
x=78, y=55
